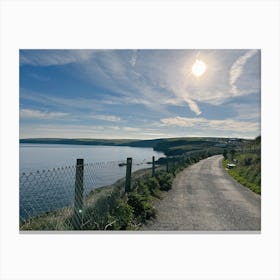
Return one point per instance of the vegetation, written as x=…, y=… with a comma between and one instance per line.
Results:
x=125, y=211
x=247, y=159
x=179, y=146
x=110, y=209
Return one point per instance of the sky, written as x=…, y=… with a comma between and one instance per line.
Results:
x=139, y=94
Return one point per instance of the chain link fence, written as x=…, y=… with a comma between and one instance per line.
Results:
x=53, y=190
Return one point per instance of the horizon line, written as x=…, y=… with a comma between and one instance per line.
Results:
x=143, y=139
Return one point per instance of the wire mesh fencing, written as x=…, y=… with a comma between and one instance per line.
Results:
x=46, y=190
x=55, y=192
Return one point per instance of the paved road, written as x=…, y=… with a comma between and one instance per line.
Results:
x=205, y=197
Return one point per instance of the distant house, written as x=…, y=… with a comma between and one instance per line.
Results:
x=221, y=145
x=234, y=141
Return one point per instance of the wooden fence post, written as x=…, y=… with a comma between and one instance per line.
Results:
x=167, y=166
x=128, y=175
x=79, y=189
x=153, y=168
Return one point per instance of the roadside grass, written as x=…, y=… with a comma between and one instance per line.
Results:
x=245, y=176
x=247, y=160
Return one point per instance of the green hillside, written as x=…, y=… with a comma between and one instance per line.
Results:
x=170, y=146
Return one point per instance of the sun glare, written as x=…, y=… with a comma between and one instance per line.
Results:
x=198, y=68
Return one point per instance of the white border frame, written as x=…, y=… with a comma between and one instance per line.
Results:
x=132, y=24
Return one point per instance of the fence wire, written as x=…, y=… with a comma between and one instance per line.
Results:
x=44, y=191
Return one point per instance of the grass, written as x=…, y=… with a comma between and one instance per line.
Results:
x=237, y=174
x=248, y=164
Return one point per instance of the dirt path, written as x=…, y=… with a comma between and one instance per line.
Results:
x=205, y=197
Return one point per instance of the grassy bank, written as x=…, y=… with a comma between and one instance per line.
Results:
x=247, y=160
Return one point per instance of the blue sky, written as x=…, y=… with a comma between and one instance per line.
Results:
x=143, y=94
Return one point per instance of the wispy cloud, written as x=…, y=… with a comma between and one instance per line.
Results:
x=37, y=114
x=182, y=94
x=130, y=86
x=61, y=101
x=192, y=105
x=133, y=58
x=247, y=112
x=38, y=77
x=108, y=118
x=85, y=131
x=155, y=73
x=131, y=129
x=237, y=69
x=221, y=125
x=54, y=57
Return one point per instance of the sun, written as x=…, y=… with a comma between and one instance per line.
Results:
x=198, y=68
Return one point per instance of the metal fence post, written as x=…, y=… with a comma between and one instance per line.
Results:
x=128, y=175
x=79, y=189
x=153, y=168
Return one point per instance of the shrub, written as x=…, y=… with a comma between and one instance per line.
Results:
x=142, y=188
x=123, y=215
x=142, y=208
x=153, y=186
x=100, y=216
x=225, y=154
x=165, y=180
